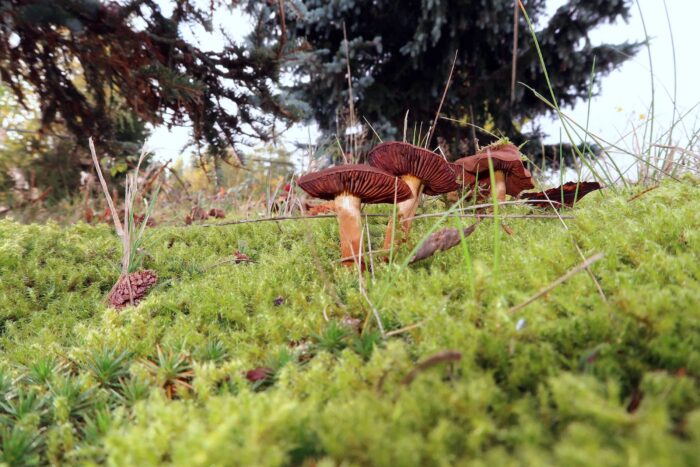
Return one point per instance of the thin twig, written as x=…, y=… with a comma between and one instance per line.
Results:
x=442, y=101
x=638, y=195
x=373, y=130
x=281, y=218
x=572, y=272
x=514, y=64
x=446, y=356
x=410, y=327
x=351, y=104
x=469, y=208
x=491, y=216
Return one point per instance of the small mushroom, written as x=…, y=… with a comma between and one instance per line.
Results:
x=422, y=170
x=349, y=186
x=511, y=175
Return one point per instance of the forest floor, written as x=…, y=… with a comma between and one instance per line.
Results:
x=577, y=377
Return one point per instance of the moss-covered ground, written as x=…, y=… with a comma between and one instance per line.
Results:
x=571, y=379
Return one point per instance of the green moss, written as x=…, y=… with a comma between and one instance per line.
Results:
x=571, y=379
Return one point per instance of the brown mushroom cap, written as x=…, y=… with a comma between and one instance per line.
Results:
x=368, y=183
x=506, y=159
x=399, y=158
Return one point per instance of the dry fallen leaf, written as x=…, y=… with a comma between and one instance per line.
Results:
x=440, y=241
x=507, y=229
x=239, y=257
x=317, y=209
x=217, y=213
x=197, y=214
x=569, y=191
x=258, y=374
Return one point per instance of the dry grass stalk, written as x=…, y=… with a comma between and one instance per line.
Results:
x=442, y=101
x=128, y=233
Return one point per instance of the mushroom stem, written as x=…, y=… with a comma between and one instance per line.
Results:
x=347, y=208
x=500, y=185
x=405, y=210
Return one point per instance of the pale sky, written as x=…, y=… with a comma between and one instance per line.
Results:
x=626, y=92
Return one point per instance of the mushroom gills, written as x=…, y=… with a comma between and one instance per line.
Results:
x=347, y=208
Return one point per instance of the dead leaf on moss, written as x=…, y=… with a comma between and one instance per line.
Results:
x=196, y=214
x=258, y=374
x=319, y=209
x=217, y=213
x=507, y=229
x=440, y=241
x=239, y=257
x=567, y=194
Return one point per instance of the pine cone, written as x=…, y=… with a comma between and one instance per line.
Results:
x=141, y=282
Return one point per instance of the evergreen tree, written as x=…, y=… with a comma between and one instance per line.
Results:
x=401, y=52
x=88, y=62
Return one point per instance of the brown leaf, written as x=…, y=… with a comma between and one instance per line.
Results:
x=258, y=374
x=323, y=208
x=570, y=195
x=239, y=257
x=138, y=220
x=217, y=213
x=196, y=214
x=199, y=214
x=507, y=229
x=440, y=241
x=88, y=215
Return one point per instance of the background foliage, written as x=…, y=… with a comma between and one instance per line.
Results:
x=401, y=51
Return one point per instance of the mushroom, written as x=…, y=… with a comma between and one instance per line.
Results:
x=422, y=170
x=467, y=182
x=511, y=175
x=349, y=186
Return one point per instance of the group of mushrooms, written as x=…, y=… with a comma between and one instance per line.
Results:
x=398, y=172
